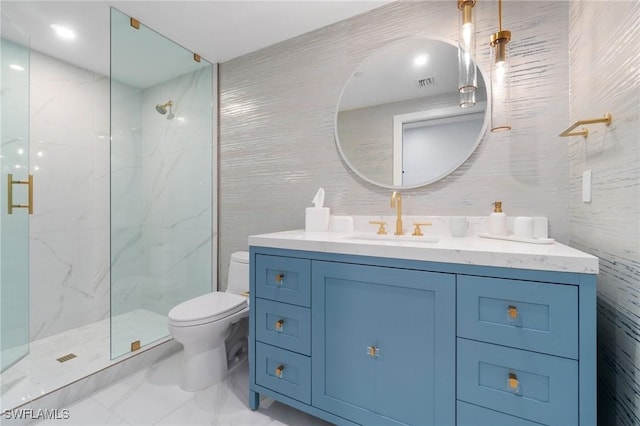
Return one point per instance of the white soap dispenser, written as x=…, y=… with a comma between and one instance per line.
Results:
x=498, y=220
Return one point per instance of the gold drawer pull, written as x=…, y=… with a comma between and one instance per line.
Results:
x=279, y=324
x=513, y=383
x=279, y=279
x=279, y=370
x=513, y=312
x=373, y=352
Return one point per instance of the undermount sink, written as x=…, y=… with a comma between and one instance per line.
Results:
x=394, y=238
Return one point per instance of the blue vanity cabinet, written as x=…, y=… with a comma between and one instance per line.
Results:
x=361, y=340
x=526, y=350
x=383, y=349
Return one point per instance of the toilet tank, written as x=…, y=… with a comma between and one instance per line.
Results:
x=238, y=279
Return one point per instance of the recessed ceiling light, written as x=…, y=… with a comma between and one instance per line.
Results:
x=63, y=32
x=420, y=60
x=16, y=67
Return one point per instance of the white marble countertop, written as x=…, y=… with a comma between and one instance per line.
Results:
x=470, y=250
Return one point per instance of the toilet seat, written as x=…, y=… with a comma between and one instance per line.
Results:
x=206, y=308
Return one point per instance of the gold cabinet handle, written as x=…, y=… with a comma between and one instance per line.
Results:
x=513, y=383
x=513, y=312
x=279, y=324
x=10, y=183
x=417, y=231
x=279, y=279
x=373, y=352
x=381, y=224
x=279, y=370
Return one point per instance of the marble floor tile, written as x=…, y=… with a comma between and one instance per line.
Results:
x=152, y=397
x=39, y=373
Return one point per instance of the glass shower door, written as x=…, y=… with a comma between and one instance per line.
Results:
x=15, y=194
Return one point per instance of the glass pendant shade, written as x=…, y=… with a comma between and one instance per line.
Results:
x=467, y=77
x=500, y=82
x=467, y=99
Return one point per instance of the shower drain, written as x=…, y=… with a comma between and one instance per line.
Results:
x=66, y=358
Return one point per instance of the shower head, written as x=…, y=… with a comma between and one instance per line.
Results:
x=162, y=108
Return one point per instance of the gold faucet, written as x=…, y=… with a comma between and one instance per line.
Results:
x=396, y=203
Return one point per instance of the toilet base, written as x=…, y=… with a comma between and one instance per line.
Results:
x=203, y=369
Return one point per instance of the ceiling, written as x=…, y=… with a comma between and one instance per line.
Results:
x=216, y=30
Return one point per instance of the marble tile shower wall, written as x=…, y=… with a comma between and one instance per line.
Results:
x=604, y=53
x=127, y=258
x=70, y=228
x=277, y=110
x=177, y=191
x=69, y=236
x=162, y=240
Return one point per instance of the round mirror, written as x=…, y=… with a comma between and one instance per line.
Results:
x=399, y=121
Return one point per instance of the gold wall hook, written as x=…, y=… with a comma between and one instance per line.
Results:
x=585, y=132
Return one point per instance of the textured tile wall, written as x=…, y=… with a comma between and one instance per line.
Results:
x=604, y=67
x=277, y=110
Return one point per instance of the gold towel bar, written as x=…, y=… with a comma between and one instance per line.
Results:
x=585, y=132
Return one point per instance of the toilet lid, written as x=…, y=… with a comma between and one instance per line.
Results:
x=207, y=308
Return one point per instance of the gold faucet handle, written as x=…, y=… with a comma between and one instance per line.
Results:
x=417, y=231
x=381, y=230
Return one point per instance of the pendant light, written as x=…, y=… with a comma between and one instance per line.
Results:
x=467, y=77
x=500, y=78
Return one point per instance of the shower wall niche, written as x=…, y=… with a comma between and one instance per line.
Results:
x=161, y=181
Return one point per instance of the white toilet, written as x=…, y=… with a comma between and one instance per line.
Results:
x=203, y=324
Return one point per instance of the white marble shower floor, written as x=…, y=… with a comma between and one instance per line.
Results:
x=40, y=373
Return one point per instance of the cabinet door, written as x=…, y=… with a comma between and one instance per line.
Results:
x=383, y=346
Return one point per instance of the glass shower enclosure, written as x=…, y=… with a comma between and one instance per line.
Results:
x=16, y=194
x=161, y=181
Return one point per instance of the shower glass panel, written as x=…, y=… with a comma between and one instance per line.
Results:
x=14, y=163
x=161, y=181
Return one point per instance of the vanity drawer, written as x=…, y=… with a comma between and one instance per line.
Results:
x=529, y=385
x=472, y=415
x=530, y=315
x=283, y=325
x=285, y=279
x=283, y=371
